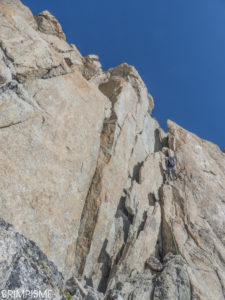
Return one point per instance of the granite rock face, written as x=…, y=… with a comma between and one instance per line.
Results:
x=24, y=268
x=193, y=212
x=51, y=120
x=83, y=174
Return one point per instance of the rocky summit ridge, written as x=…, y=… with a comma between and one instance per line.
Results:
x=83, y=180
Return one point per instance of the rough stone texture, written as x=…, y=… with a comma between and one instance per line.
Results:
x=170, y=281
x=24, y=267
x=83, y=175
x=105, y=214
x=173, y=282
x=27, y=52
x=48, y=24
x=92, y=69
x=154, y=264
x=78, y=292
x=193, y=212
x=139, y=286
x=114, y=295
x=49, y=138
x=144, y=230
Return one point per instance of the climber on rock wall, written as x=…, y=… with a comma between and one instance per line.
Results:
x=171, y=167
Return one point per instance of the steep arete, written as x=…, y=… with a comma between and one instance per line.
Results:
x=83, y=175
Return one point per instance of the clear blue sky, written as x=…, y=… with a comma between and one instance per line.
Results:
x=178, y=47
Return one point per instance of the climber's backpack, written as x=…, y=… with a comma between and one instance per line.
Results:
x=171, y=162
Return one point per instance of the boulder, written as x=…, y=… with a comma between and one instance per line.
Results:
x=48, y=24
x=154, y=264
x=24, y=269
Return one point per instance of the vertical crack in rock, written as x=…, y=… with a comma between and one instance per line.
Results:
x=118, y=91
x=127, y=216
x=93, y=200
x=142, y=225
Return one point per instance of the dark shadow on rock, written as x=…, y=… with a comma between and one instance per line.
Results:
x=105, y=259
x=160, y=142
x=136, y=172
